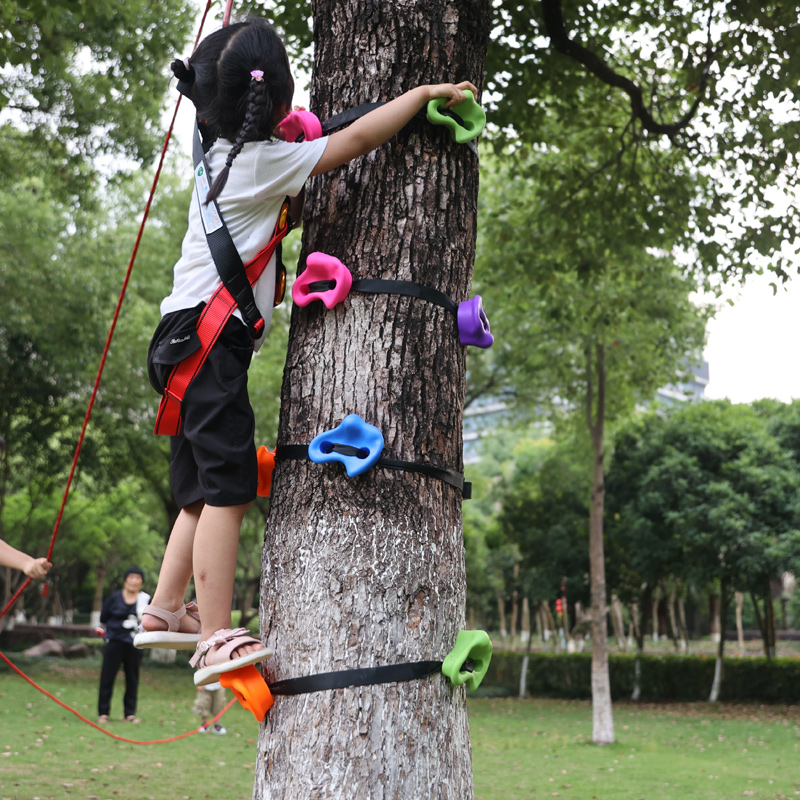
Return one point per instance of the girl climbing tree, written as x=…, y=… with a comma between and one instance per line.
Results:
x=369, y=571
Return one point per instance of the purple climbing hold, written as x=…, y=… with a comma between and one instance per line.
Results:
x=473, y=325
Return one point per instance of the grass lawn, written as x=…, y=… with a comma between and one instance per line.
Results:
x=521, y=750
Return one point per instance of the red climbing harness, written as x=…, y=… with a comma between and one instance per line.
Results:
x=212, y=320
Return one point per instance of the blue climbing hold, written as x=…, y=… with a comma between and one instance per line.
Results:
x=355, y=443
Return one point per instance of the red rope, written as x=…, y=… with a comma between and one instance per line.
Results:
x=99, y=727
x=110, y=334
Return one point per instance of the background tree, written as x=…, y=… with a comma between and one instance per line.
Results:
x=369, y=571
x=588, y=321
x=720, y=491
x=702, y=88
x=85, y=82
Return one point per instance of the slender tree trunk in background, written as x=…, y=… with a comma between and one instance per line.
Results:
x=684, y=628
x=654, y=609
x=617, y=622
x=761, y=622
x=525, y=627
x=523, y=676
x=369, y=571
x=633, y=627
x=716, y=630
x=602, y=716
x=549, y=622
x=739, y=627
x=501, y=612
x=514, y=617
x=673, y=622
x=641, y=633
x=99, y=589
x=716, y=687
x=769, y=620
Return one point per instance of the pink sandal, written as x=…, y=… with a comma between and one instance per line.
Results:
x=172, y=638
x=213, y=656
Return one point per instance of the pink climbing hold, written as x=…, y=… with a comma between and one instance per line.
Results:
x=299, y=126
x=325, y=278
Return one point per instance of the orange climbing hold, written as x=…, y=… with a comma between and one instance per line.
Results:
x=266, y=465
x=250, y=689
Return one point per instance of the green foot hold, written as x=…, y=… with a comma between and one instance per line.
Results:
x=468, y=661
x=465, y=121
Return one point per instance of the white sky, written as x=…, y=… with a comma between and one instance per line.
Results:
x=751, y=344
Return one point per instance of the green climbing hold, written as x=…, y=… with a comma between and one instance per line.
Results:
x=465, y=121
x=469, y=660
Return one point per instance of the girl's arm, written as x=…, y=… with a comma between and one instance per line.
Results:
x=377, y=127
x=32, y=567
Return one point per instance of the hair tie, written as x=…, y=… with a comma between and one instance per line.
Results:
x=257, y=74
x=186, y=62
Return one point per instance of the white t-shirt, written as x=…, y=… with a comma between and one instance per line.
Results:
x=260, y=178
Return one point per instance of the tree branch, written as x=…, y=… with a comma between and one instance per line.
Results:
x=553, y=18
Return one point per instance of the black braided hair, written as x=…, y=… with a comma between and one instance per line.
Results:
x=258, y=121
x=244, y=108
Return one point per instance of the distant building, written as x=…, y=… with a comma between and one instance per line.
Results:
x=486, y=414
x=691, y=389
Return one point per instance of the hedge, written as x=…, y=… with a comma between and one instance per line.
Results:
x=664, y=678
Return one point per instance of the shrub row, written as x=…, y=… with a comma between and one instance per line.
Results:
x=664, y=678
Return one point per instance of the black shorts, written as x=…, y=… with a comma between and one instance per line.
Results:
x=214, y=456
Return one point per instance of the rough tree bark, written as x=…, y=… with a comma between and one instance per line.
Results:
x=368, y=571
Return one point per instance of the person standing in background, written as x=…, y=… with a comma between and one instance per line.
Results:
x=121, y=614
x=209, y=702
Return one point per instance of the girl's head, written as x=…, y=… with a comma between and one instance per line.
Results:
x=233, y=102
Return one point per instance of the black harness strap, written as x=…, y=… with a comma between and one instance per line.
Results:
x=226, y=257
x=368, y=676
x=407, y=288
x=449, y=476
x=352, y=114
x=380, y=286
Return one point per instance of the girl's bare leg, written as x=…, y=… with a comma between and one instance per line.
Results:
x=216, y=544
x=176, y=569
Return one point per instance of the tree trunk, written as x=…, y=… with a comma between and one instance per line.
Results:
x=99, y=589
x=684, y=628
x=514, y=617
x=549, y=623
x=716, y=687
x=769, y=620
x=501, y=613
x=617, y=622
x=633, y=627
x=673, y=622
x=761, y=622
x=369, y=571
x=602, y=717
x=716, y=630
x=654, y=609
x=739, y=626
x=641, y=633
x=525, y=627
